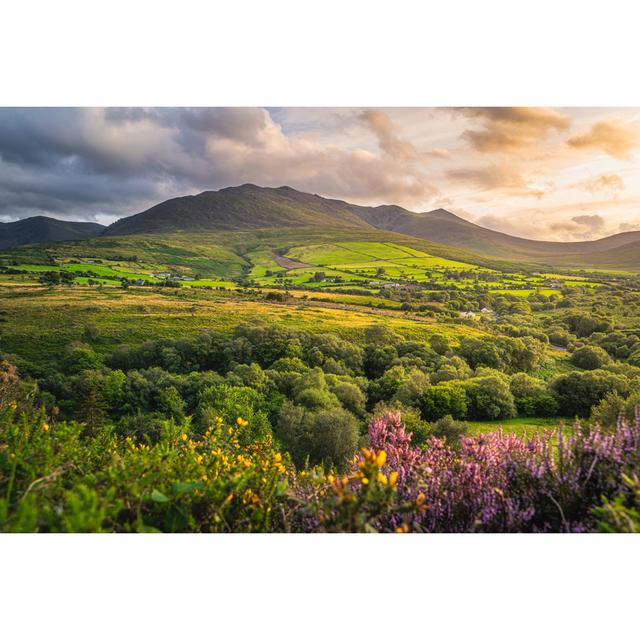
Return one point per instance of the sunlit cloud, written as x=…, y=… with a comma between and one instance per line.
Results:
x=614, y=137
x=610, y=182
x=495, y=177
x=509, y=129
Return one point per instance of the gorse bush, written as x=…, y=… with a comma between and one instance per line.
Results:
x=55, y=476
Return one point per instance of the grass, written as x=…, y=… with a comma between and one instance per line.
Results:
x=521, y=426
x=40, y=319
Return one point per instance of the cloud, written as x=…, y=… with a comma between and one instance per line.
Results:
x=495, y=177
x=511, y=129
x=594, y=223
x=578, y=228
x=90, y=163
x=628, y=226
x=437, y=152
x=614, y=137
x=610, y=182
x=387, y=133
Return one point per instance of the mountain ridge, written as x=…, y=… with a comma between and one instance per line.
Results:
x=249, y=206
x=42, y=229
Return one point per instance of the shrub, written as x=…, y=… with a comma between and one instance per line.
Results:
x=450, y=430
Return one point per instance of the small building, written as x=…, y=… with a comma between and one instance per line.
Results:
x=467, y=314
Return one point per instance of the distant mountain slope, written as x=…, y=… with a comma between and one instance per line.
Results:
x=238, y=208
x=41, y=229
x=444, y=227
x=251, y=207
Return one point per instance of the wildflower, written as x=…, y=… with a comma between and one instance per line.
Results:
x=199, y=459
x=45, y=426
x=184, y=437
x=330, y=478
x=382, y=478
x=241, y=423
x=365, y=481
x=404, y=528
x=381, y=458
x=278, y=457
x=393, y=478
x=13, y=404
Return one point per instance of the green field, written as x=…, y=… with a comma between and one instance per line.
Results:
x=521, y=426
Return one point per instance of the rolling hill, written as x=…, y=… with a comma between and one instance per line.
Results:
x=250, y=207
x=41, y=229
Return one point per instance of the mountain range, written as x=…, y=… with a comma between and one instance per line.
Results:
x=249, y=207
x=40, y=229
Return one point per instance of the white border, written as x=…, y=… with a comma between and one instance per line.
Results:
x=142, y=52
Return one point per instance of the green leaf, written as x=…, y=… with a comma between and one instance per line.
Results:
x=186, y=487
x=157, y=496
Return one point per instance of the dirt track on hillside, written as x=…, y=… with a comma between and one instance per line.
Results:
x=288, y=263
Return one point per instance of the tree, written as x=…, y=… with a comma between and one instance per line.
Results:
x=489, y=397
x=578, y=391
x=439, y=344
x=532, y=396
x=328, y=436
x=446, y=398
x=79, y=357
x=480, y=352
x=351, y=397
x=589, y=357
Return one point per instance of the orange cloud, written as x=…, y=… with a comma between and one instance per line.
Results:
x=614, y=137
x=387, y=133
x=492, y=177
x=604, y=182
x=511, y=129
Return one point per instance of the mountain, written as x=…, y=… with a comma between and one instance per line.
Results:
x=238, y=208
x=445, y=227
x=252, y=207
x=41, y=229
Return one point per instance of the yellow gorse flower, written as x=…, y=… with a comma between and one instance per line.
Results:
x=45, y=426
x=183, y=437
x=381, y=458
x=241, y=423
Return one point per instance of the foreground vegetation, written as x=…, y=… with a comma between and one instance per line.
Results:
x=224, y=478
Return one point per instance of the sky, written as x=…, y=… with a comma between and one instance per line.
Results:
x=558, y=174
